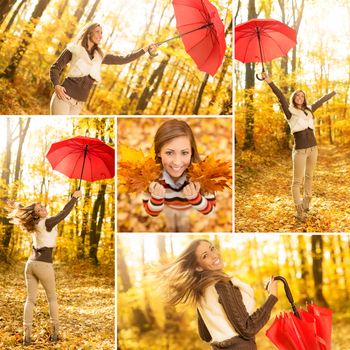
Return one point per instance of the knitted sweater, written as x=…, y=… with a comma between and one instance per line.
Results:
x=301, y=122
x=79, y=87
x=233, y=317
x=174, y=198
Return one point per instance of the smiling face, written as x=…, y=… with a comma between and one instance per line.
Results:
x=40, y=210
x=176, y=156
x=95, y=35
x=299, y=99
x=208, y=257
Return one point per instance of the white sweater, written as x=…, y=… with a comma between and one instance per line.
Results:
x=214, y=315
x=43, y=238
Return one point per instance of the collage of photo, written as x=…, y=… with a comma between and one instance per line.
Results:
x=174, y=175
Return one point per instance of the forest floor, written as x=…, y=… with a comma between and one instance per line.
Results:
x=263, y=201
x=86, y=308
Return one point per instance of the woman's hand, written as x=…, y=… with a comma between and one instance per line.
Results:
x=266, y=77
x=77, y=194
x=150, y=47
x=191, y=190
x=156, y=189
x=272, y=287
x=61, y=93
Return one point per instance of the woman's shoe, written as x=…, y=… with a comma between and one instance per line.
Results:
x=301, y=216
x=27, y=336
x=54, y=334
x=306, y=203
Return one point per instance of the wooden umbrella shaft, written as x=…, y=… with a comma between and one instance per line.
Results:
x=82, y=169
x=181, y=35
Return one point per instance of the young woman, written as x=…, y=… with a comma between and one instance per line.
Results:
x=33, y=219
x=301, y=122
x=175, y=149
x=226, y=312
x=85, y=58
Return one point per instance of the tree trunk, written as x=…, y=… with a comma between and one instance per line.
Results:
x=152, y=86
x=96, y=223
x=5, y=8
x=85, y=221
x=15, y=60
x=13, y=17
x=343, y=265
x=317, y=258
x=249, y=90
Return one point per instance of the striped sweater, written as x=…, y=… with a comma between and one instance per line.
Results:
x=175, y=199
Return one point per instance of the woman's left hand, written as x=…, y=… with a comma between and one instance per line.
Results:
x=191, y=190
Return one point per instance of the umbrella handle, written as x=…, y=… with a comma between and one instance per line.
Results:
x=152, y=54
x=257, y=77
x=288, y=294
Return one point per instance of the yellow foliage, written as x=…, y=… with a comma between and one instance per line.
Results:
x=212, y=174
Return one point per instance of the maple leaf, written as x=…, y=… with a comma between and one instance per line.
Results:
x=135, y=170
x=212, y=174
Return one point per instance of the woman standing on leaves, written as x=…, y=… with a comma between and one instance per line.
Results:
x=33, y=219
x=175, y=149
x=225, y=306
x=301, y=122
x=85, y=58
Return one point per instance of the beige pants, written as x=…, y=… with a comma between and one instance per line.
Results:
x=69, y=107
x=176, y=220
x=43, y=272
x=304, y=164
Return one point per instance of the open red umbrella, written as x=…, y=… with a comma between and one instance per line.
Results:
x=301, y=329
x=82, y=158
x=262, y=40
x=202, y=33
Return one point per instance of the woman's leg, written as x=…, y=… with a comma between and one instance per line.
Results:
x=45, y=273
x=32, y=289
x=311, y=162
x=58, y=106
x=299, y=163
x=75, y=107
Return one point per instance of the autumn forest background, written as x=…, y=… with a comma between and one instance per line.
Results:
x=84, y=256
x=318, y=64
x=34, y=33
x=316, y=268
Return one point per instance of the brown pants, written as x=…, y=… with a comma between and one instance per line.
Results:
x=43, y=272
x=69, y=107
x=304, y=164
x=235, y=343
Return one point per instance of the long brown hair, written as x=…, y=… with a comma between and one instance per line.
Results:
x=24, y=217
x=292, y=100
x=182, y=282
x=170, y=130
x=83, y=38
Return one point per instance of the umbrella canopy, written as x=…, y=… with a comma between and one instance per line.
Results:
x=262, y=40
x=202, y=32
x=82, y=158
x=301, y=329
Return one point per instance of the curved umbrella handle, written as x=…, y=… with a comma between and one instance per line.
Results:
x=152, y=54
x=288, y=294
x=257, y=77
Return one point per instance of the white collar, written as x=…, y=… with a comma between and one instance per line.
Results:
x=168, y=179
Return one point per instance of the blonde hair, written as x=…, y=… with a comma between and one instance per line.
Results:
x=181, y=280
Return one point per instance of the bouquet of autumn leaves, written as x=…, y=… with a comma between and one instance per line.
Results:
x=136, y=171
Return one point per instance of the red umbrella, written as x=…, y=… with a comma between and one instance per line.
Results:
x=301, y=329
x=262, y=40
x=82, y=158
x=202, y=33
